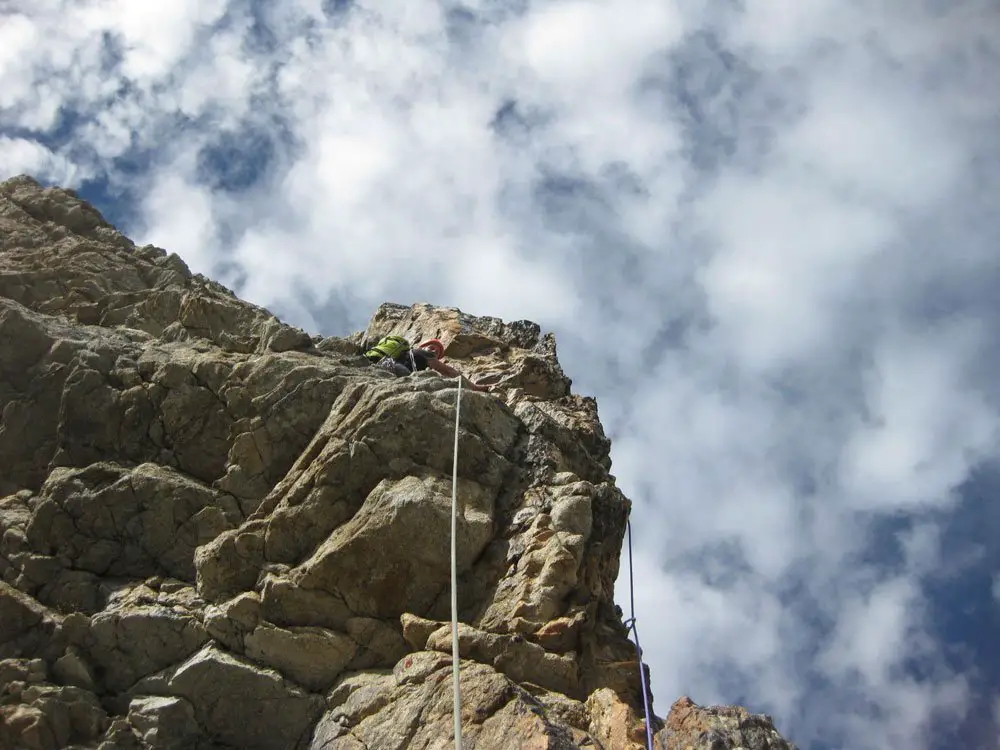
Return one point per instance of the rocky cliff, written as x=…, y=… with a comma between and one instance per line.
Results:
x=217, y=531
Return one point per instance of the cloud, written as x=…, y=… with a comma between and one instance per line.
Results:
x=185, y=219
x=154, y=39
x=27, y=156
x=789, y=254
x=925, y=425
x=765, y=236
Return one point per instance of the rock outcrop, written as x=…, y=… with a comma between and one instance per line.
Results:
x=217, y=531
x=693, y=727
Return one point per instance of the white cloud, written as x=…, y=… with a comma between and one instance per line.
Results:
x=184, y=220
x=747, y=269
x=571, y=46
x=926, y=425
x=18, y=35
x=871, y=633
x=777, y=28
x=24, y=156
x=874, y=143
x=789, y=255
x=155, y=37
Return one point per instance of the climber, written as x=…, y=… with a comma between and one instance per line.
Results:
x=394, y=353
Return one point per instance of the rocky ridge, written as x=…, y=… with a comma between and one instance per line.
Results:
x=217, y=531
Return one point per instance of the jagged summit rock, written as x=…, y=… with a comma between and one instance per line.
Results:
x=217, y=531
x=693, y=727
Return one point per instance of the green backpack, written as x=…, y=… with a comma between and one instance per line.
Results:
x=392, y=347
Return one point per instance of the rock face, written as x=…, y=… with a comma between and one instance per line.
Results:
x=219, y=532
x=693, y=727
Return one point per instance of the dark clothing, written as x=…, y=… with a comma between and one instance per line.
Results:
x=408, y=362
x=420, y=358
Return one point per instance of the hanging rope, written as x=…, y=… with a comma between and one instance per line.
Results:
x=454, y=576
x=630, y=624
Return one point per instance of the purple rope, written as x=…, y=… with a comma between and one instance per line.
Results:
x=638, y=649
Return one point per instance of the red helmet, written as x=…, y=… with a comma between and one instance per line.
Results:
x=435, y=346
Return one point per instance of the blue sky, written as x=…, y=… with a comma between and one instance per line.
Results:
x=764, y=233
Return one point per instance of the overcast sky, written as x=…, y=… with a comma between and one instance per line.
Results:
x=767, y=238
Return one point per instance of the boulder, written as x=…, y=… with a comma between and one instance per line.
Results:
x=242, y=703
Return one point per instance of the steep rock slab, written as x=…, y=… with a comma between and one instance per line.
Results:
x=242, y=704
x=412, y=708
x=112, y=352
x=311, y=656
x=61, y=257
x=375, y=431
x=89, y=529
x=140, y=402
x=144, y=629
x=27, y=628
x=37, y=715
x=44, y=359
x=72, y=396
x=114, y=521
x=160, y=723
x=515, y=355
x=540, y=563
x=401, y=524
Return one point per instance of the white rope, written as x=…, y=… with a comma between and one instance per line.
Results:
x=454, y=576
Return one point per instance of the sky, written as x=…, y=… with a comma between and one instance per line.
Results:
x=764, y=233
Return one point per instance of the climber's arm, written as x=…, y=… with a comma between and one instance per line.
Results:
x=440, y=367
x=450, y=372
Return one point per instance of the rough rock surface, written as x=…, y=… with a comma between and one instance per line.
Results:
x=219, y=532
x=693, y=727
